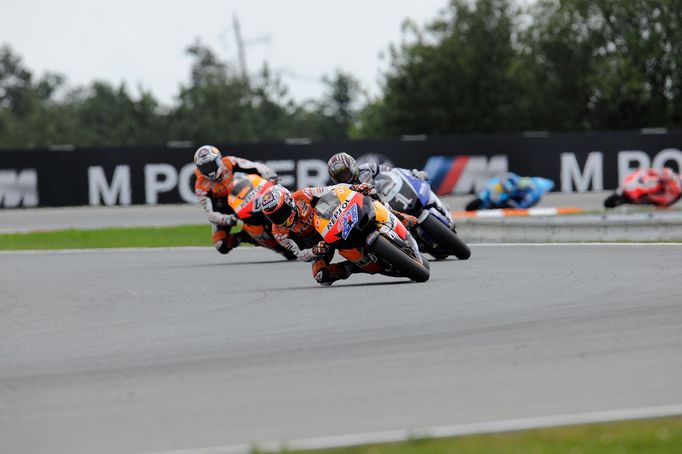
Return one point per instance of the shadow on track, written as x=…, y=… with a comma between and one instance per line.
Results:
x=339, y=286
x=213, y=265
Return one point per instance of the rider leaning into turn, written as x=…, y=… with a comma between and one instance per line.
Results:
x=292, y=225
x=343, y=168
x=214, y=174
x=512, y=191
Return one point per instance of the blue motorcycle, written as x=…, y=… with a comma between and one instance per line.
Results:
x=435, y=234
x=511, y=191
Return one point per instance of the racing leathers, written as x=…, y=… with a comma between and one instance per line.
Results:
x=212, y=195
x=660, y=187
x=368, y=171
x=305, y=242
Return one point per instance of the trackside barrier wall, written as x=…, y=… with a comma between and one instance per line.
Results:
x=457, y=165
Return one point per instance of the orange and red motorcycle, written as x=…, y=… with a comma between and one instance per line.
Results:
x=245, y=200
x=365, y=232
x=647, y=186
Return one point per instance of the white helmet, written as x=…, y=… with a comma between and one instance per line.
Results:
x=343, y=168
x=209, y=161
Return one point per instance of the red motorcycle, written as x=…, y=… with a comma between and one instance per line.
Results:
x=659, y=187
x=245, y=200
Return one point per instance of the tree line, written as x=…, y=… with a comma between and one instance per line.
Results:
x=483, y=66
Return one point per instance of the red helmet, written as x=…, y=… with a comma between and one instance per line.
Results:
x=279, y=206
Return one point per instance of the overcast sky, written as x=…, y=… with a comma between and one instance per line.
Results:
x=143, y=42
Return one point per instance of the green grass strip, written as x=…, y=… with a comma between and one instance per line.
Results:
x=188, y=235
x=650, y=436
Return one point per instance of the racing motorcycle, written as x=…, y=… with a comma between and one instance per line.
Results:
x=436, y=232
x=365, y=232
x=647, y=187
x=511, y=194
x=245, y=200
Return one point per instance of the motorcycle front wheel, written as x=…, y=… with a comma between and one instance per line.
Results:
x=408, y=266
x=614, y=200
x=446, y=237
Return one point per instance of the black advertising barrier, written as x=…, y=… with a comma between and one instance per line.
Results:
x=457, y=164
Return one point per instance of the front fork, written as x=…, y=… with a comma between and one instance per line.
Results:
x=439, y=209
x=407, y=243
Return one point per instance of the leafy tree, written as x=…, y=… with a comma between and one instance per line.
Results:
x=604, y=64
x=216, y=105
x=453, y=76
x=335, y=114
x=26, y=106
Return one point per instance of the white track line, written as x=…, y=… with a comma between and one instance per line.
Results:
x=439, y=432
x=208, y=248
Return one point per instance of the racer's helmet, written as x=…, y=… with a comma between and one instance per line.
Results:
x=343, y=168
x=210, y=163
x=653, y=180
x=510, y=182
x=279, y=206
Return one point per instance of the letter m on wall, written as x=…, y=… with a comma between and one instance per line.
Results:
x=18, y=188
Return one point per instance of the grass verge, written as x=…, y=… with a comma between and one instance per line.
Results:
x=649, y=436
x=187, y=235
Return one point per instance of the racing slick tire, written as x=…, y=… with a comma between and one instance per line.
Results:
x=614, y=200
x=406, y=264
x=474, y=205
x=446, y=237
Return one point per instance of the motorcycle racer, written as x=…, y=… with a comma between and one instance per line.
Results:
x=214, y=174
x=292, y=225
x=343, y=168
x=648, y=186
x=511, y=191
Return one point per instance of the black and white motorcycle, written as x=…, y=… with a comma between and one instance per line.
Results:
x=435, y=234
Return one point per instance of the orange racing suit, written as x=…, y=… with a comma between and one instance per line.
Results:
x=301, y=237
x=213, y=194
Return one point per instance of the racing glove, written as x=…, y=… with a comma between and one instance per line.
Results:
x=408, y=220
x=227, y=220
x=320, y=248
x=365, y=189
x=421, y=174
x=270, y=175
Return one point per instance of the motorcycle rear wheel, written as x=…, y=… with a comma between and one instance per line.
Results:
x=406, y=264
x=446, y=237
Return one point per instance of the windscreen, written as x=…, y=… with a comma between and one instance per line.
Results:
x=327, y=204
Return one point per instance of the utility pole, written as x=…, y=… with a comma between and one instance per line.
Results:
x=241, y=47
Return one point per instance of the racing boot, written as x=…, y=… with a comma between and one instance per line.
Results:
x=409, y=221
x=224, y=242
x=333, y=272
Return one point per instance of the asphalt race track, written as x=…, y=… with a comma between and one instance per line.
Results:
x=29, y=219
x=135, y=351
